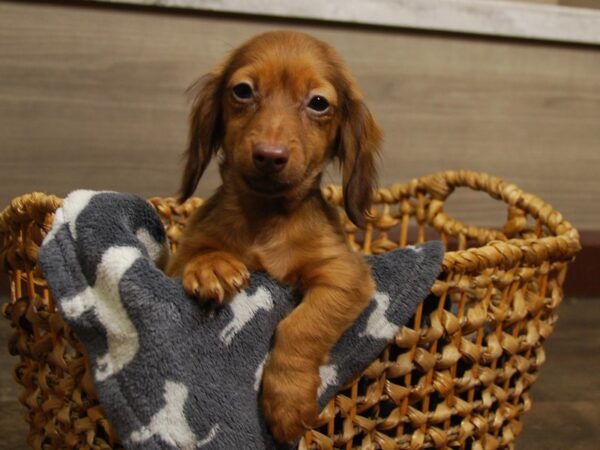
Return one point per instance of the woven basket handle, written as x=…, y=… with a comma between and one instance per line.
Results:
x=441, y=185
x=23, y=225
x=502, y=252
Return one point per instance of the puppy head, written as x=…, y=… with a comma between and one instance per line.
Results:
x=281, y=107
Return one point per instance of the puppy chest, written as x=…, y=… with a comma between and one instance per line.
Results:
x=278, y=261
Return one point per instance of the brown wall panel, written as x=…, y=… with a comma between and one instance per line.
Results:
x=93, y=96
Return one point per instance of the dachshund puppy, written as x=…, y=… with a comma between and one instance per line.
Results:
x=277, y=111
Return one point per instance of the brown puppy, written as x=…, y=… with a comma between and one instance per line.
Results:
x=280, y=108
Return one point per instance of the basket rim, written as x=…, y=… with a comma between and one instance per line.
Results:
x=500, y=252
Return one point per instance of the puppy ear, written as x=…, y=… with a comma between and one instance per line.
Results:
x=206, y=130
x=360, y=140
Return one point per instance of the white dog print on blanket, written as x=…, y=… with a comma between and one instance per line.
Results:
x=244, y=307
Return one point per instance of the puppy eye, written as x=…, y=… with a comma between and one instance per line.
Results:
x=318, y=104
x=243, y=91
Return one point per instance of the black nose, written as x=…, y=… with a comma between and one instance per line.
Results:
x=270, y=158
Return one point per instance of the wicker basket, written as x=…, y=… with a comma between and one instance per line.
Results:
x=457, y=376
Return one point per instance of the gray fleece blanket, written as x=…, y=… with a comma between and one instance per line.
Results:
x=172, y=373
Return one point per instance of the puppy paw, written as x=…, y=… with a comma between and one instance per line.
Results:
x=289, y=398
x=215, y=276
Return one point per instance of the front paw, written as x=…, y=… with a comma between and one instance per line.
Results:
x=215, y=276
x=289, y=397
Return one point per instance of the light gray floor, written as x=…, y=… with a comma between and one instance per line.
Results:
x=566, y=398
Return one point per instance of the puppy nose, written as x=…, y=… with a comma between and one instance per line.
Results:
x=270, y=158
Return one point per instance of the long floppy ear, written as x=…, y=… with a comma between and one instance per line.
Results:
x=360, y=140
x=206, y=130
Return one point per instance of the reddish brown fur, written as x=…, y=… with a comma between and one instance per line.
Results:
x=281, y=223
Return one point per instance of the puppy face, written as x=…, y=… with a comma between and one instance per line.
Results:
x=281, y=116
x=280, y=108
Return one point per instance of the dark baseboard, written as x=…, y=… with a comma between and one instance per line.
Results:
x=583, y=277
x=4, y=288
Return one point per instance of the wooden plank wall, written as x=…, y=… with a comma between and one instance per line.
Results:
x=93, y=96
x=594, y=4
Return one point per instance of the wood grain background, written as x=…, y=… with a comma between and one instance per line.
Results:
x=576, y=3
x=93, y=96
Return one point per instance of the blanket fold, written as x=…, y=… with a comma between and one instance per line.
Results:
x=171, y=373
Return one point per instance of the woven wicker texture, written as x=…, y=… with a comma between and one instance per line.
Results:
x=457, y=376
